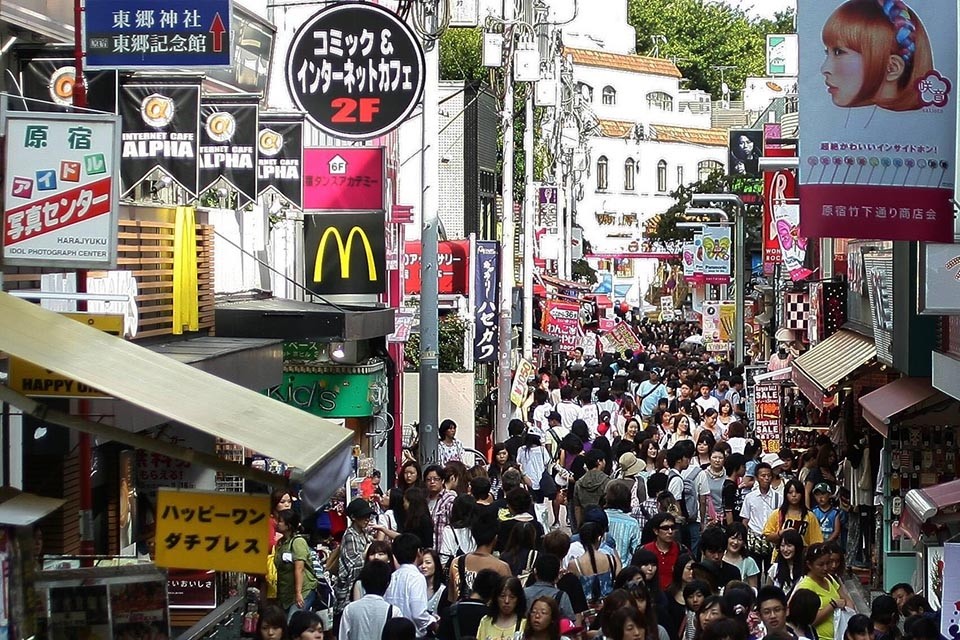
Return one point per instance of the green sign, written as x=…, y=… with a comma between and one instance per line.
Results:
x=334, y=394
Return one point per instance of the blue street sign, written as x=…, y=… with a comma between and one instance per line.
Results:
x=157, y=34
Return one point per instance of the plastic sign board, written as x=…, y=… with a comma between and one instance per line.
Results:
x=343, y=179
x=212, y=530
x=61, y=190
x=157, y=34
x=356, y=69
x=345, y=253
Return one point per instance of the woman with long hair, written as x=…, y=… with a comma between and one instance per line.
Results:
x=705, y=443
x=456, y=538
x=449, y=447
x=456, y=478
x=395, y=514
x=505, y=618
x=649, y=450
x=716, y=476
x=833, y=595
x=543, y=621
x=645, y=605
x=520, y=550
x=804, y=605
x=676, y=603
x=725, y=416
x=409, y=475
x=296, y=581
x=788, y=568
x=416, y=519
x=793, y=514
x=713, y=608
x=433, y=572
x=594, y=569
x=378, y=550
x=627, y=442
x=736, y=555
x=499, y=464
x=681, y=428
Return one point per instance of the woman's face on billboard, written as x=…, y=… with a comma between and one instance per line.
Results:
x=842, y=71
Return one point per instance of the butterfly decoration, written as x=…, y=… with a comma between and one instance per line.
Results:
x=688, y=257
x=790, y=237
x=717, y=249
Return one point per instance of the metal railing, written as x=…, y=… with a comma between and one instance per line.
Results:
x=223, y=623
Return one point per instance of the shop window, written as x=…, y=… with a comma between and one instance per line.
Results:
x=609, y=95
x=603, y=178
x=662, y=176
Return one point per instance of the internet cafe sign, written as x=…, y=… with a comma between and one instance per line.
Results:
x=60, y=191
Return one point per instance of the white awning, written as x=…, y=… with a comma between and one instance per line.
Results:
x=176, y=390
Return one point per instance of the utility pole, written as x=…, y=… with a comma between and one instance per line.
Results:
x=529, y=207
x=429, y=235
x=504, y=372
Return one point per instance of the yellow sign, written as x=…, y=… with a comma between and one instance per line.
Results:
x=518, y=390
x=212, y=530
x=344, y=251
x=34, y=381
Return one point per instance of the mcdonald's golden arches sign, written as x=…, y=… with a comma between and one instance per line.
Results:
x=345, y=253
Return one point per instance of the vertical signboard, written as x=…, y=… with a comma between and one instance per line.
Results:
x=485, y=287
x=878, y=139
x=60, y=190
x=878, y=272
x=716, y=253
x=280, y=157
x=547, y=207
x=345, y=253
x=562, y=319
x=228, y=144
x=161, y=118
x=767, y=419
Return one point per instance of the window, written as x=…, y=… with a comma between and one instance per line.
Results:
x=609, y=95
x=586, y=91
x=660, y=100
x=629, y=174
x=603, y=180
x=662, y=176
x=706, y=167
x=679, y=175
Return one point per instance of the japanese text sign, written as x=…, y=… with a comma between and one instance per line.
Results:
x=345, y=253
x=343, y=179
x=485, y=292
x=518, y=390
x=453, y=267
x=878, y=143
x=767, y=423
x=228, y=144
x=152, y=34
x=60, y=190
x=621, y=338
x=717, y=248
x=212, y=530
x=562, y=319
x=356, y=69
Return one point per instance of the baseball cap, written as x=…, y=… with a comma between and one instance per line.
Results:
x=568, y=627
x=596, y=514
x=822, y=487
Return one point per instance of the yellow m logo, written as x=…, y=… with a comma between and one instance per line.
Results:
x=343, y=250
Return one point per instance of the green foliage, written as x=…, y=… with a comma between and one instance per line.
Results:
x=583, y=272
x=461, y=56
x=452, y=332
x=702, y=36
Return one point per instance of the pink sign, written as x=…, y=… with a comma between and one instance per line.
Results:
x=343, y=179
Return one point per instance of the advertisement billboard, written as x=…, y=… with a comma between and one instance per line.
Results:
x=878, y=123
x=345, y=253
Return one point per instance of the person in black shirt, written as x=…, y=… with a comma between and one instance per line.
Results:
x=713, y=543
x=515, y=441
x=462, y=619
x=730, y=493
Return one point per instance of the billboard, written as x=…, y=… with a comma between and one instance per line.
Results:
x=878, y=123
x=782, y=54
x=345, y=253
x=745, y=149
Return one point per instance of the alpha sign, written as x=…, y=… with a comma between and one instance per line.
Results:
x=356, y=69
x=345, y=253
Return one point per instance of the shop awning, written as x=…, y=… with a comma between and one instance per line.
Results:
x=545, y=338
x=21, y=509
x=298, y=320
x=910, y=401
x=932, y=503
x=130, y=372
x=818, y=371
x=564, y=284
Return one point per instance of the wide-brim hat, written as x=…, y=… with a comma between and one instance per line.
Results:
x=630, y=465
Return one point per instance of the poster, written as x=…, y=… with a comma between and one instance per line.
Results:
x=717, y=249
x=621, y=338
x=79, y=613
x=562, y=319
x=139, y=610
x=950, y=612
x=767, y=423
x=878, y=129
x=518, y=390
x=745, y=150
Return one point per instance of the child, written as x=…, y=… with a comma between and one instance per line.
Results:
x=876, y=53
x=694, y=593
x=827, y=515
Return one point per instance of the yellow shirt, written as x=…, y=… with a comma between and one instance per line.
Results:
x=808, y=528
x=832, y=592
x=489, y=631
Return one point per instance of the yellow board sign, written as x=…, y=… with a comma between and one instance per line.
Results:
x=34, y=381
x=212, y=530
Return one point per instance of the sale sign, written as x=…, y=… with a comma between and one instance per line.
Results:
x=61, y=190
x=562, y=319
x=767, y=423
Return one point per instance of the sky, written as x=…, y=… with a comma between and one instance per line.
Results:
x=763, y=8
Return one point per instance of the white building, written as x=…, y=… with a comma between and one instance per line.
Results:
x=645, y=135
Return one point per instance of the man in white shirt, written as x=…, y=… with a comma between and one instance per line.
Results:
x=365, y=618
x=759, y=504
x=408, y=588
x=705, y=400
x=568, y=408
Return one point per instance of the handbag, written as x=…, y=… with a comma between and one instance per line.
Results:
x=841, y=617
x=548, y=487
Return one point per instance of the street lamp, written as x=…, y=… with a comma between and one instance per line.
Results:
x=707, y=211
x=739, y=259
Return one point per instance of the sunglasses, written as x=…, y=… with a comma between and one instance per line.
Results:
x=668, y=527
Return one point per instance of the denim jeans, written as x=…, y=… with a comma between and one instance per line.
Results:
x=693, y=534
x=307, y=604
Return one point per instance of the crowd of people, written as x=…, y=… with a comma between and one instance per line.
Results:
x=628, y=502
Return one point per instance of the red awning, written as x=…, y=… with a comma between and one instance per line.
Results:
x=911, y=401
x=932, y=504
x=603, y=301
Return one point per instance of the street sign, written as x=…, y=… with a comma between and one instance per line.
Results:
x=157, y=34
x=356, y=69
x=60, y=190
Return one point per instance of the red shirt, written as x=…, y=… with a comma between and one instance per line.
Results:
x=665, y=562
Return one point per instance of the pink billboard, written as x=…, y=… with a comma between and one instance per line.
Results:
x=343, y=179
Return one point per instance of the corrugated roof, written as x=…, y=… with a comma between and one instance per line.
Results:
x=623, y=62
x=690, y=135
x=615, y=128
x=835, y=358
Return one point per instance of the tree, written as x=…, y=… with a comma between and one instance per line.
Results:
x=452, y=331
x=704, y=36
x=461, y=57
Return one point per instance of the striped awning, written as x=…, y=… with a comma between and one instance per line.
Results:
x=818, y=371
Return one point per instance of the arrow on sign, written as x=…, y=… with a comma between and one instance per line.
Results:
x=217, y=30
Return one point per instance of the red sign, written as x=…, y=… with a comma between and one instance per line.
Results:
x=343, y=179
x=454, y=267
x=192, y=589
x=779, y=187
x=562, y=319
x=767, y=425
x=56, y=212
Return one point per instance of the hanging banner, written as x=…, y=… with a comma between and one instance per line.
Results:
x=356, y=69
x=779, y=187
x=345, y=253
x=518, y=390
x=161, y=122
x=48, y=75
x=60, y=190
x=793, y=246
x=562, y=319
x=767, y=421
x=621, y=338
x=717, y=248
x=689, y=251
x=453, y=261
x=715, y=335
x=878, y=139
x=485, y=287
x=280, y=157
x=228, y=144
x=727, y=320
x=698, y=277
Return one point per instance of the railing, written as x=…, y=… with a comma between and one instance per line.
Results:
x=223, y=623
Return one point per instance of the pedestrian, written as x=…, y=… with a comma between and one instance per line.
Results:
x=296, y=581
x=408, y=588
x=439, y=502
x=506, y=617
x=353, y=545
x=449, y=448
x=365, y=618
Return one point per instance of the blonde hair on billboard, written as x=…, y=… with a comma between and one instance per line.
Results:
x=877, y=30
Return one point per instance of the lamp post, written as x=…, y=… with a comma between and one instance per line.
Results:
x=739, y=259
